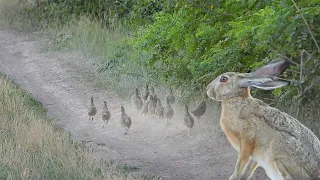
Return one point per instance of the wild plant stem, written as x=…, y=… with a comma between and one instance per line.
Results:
x=296, y=6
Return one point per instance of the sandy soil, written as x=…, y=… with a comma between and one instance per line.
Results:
x=56, y=80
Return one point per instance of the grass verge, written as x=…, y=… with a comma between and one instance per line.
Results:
x=112, y=57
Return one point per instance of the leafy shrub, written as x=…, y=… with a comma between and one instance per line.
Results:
x=186, y=43
x=199, y=40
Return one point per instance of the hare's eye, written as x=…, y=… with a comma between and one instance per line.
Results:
x=223, y=79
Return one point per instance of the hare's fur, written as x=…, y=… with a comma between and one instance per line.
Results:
x=264, y=136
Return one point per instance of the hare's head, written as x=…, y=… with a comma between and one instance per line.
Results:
x=229, y=85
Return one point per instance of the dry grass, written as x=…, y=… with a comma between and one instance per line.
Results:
x=105, y=53
x=31, y=147
x=14, y=14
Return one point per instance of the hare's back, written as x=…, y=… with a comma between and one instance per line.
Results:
x=296, y=144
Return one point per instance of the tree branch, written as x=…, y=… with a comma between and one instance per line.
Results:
x=296, y=6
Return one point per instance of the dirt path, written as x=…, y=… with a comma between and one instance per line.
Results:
x=150, y=146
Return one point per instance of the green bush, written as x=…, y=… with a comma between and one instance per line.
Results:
x=201, y=40
x=108, y=12
x=186, y=43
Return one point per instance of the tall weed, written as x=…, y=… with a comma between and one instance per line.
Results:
x=14, y=14
x=112, y=60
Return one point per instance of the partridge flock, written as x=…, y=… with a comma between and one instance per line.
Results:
x=148, y=103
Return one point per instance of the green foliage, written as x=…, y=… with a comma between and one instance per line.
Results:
x=200, y=40
x=59, y=12
x=112, y=57
x=186, y=43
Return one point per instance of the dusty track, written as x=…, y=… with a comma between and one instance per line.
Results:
x=56, y=81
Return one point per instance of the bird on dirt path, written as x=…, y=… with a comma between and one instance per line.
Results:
x=171, y=97
x=125, y=120
x=201, y=108
x=92, y=111
x=188, y=119
x=155, y=99
x=105, y=113
x=151, y=104
x=159, y=110
x=144, y=109
x=168, y=111
x=152, y=90
x=136, y=100
x=145, y=93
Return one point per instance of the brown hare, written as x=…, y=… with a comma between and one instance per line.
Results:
x=264, y=136
x=137, y=101
x=92, y=110
x=125, y=120
x=105, y=113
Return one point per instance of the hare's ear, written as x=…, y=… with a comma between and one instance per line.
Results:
x=274, y=68
x=263, y=82
x=273, y=84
